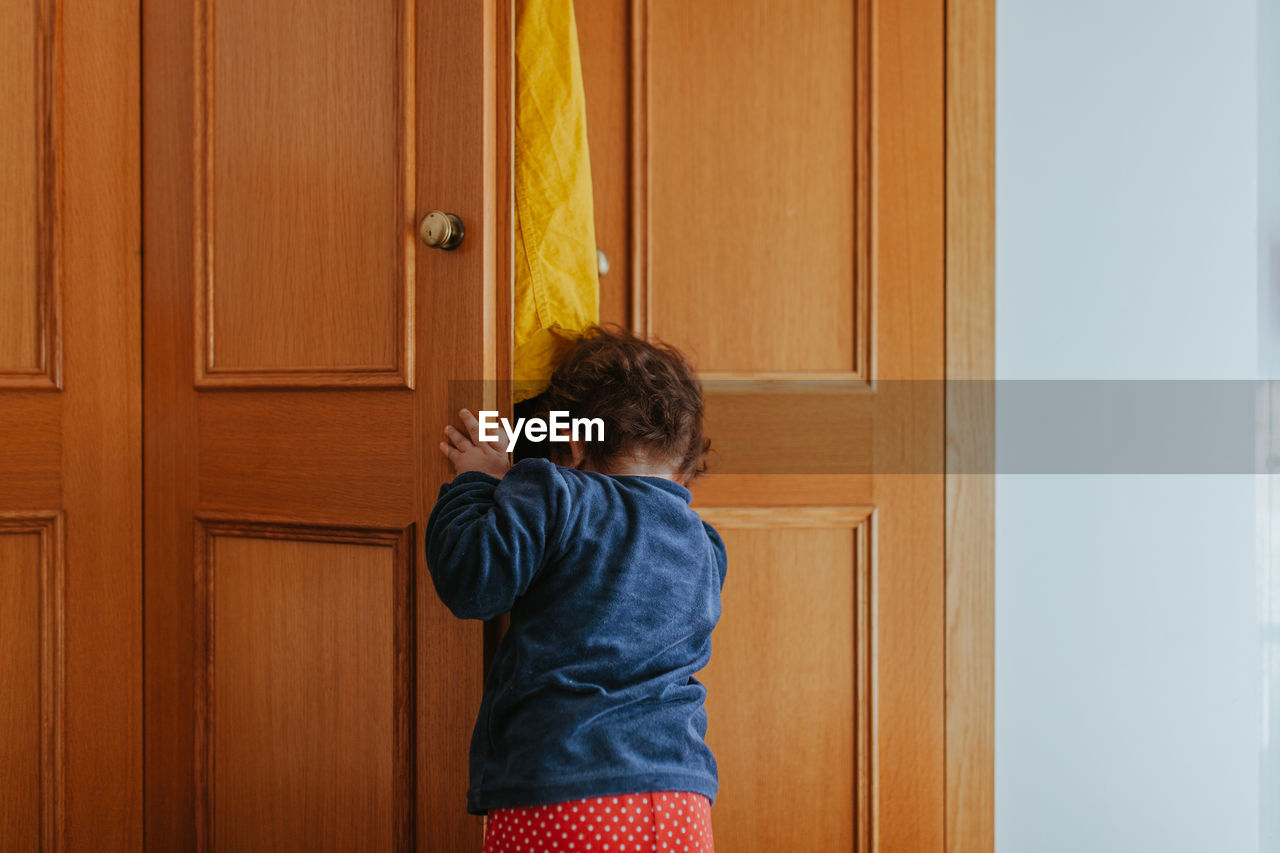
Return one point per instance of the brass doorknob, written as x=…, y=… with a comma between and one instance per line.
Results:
x=441, y=230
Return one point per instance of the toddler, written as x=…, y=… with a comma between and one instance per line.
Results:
x=590, y=734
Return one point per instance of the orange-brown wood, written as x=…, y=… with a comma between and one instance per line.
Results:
x=808, y=663
x=638, y=179
x=603, y=27
x=786, y=191
x=102, y=424
x=70, y=429
x=171, y=439
x=499, y=306
x=21, y=571
x=766, y=307
x=294, y=471
x=32, y=685
x=970, y=426
x=326, y=450
x=298, y=666
x=780, y=490
x=305, y=188
x=907, y=256
x=894, y=427
x=20, y=167
x=753, y=159
x=30, y=301
x=30, y=449
x=460, y=161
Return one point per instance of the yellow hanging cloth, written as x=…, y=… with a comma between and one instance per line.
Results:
x=557, y=288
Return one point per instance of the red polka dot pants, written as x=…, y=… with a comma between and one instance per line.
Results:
x=658, y=822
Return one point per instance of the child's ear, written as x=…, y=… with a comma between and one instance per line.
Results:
x=576, y=454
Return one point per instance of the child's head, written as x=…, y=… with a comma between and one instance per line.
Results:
x=648, y=396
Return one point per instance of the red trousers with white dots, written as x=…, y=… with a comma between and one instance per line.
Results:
x=656, y=822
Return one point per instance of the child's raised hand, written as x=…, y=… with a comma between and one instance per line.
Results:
x=468, y=453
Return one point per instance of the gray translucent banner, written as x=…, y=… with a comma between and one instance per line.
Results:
x=1135, y=427
x=996, y=427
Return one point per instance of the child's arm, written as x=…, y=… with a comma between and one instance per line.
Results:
x=486, y=538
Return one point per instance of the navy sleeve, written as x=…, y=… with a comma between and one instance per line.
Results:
x=487, y=538
x=717, y=545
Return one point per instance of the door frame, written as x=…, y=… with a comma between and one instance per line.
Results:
x=970, y=425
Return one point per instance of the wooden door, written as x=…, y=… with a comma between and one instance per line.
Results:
x=769, y=189
x=70, y=428
x=305, y=688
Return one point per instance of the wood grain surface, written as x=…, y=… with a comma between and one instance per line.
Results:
x=970, y=426
x=70, y=428
x=307, y=665
x=305, y=188
x=803, y=202
x=32, y=680
x=423, y=84
x=30, y=186
x=786, y=210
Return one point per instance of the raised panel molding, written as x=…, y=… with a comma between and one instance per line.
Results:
x=48, y=526
x=210, y=530
x=859, y=370
x=256, y=354
x=860, y=522
x=41, y=209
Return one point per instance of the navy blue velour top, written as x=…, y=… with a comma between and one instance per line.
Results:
x=613, y=584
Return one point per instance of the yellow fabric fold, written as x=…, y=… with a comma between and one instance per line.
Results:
x=557, y=289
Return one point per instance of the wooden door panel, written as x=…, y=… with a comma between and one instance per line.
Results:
x=307, y=690
x=30, y=679
x=306, y=184
x=20, y=753
x=29, y=311
x=20, y=167
x=756, y=174
x=796, y=628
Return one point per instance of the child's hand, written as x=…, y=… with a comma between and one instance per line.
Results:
x=470, y=453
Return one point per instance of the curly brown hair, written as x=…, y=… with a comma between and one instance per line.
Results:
x=647, y=394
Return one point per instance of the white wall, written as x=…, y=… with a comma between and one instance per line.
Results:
x=1129, y=712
